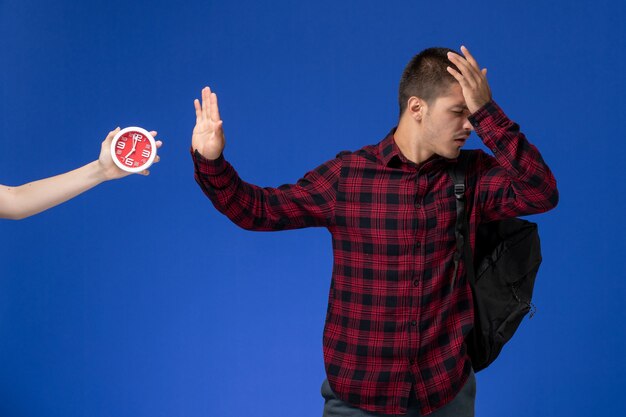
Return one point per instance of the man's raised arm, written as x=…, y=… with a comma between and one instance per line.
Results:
x=517, y=181
x=309, y=202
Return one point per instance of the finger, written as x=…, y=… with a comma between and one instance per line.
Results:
x=481, y=73
x=111, y=134
x=215, y=112
x=153, y=133
x=203, y=102
x=469, y=57
x=157, y=159
x=463, y=82
x=196, y=105
x=206, y=102
x=218, y=127
x=159, y=144
x=460, y=62
x=457, y=75
x=466, y=69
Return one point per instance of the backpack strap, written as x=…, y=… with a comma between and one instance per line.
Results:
x=461, y=231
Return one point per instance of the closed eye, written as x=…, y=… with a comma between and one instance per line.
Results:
x=460, y=111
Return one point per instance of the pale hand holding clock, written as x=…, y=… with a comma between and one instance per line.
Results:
x=110, y=171
x=32, y=198
x=208, y=134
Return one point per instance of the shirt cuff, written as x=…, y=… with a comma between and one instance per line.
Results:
x=490, y=113
x=207, y=166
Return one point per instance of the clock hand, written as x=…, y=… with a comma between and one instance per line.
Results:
x=133, y=149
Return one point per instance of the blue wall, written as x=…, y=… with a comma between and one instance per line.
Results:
x=212, y=320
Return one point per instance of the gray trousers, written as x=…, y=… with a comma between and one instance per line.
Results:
x=461, y=406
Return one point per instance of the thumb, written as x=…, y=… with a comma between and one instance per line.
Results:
x=112, y=134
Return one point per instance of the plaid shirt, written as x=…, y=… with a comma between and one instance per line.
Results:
x=393, y=320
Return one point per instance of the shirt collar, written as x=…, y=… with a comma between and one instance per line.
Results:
x=390, y=154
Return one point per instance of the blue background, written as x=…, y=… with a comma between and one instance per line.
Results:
x=211, y=320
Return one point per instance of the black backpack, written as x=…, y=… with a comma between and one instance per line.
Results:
x=507, y=257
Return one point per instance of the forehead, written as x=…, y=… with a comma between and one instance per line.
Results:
x=451, y=96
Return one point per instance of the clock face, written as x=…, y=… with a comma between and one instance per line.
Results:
x=133, y=149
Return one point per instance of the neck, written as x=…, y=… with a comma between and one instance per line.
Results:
x=408, y=140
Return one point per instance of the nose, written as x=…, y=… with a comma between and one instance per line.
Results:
x=467, y=126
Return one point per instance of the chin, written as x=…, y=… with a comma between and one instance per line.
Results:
x=452, y=154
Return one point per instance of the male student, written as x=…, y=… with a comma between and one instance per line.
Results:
x=397, y=318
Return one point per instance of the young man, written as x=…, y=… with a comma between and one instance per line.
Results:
x=395, y=327
x=26, y=200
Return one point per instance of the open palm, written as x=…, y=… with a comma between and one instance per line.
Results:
x=208, y=135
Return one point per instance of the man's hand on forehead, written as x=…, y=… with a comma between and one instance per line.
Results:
x=473, y=80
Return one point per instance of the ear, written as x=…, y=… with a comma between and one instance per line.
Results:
x=416, y=108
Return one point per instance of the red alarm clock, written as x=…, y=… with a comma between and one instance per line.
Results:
x=133, y=149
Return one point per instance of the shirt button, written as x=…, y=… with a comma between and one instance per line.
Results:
x=418, y=205
x=414, y=323
x=418, y=244
x=416, y=282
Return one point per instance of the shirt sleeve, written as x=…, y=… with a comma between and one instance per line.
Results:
x=515, y=181
x=309, y=202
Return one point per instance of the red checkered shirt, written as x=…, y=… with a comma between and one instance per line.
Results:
x=393, y=319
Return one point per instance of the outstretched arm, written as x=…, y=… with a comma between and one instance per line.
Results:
x=309, y=202
x=32, y=198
